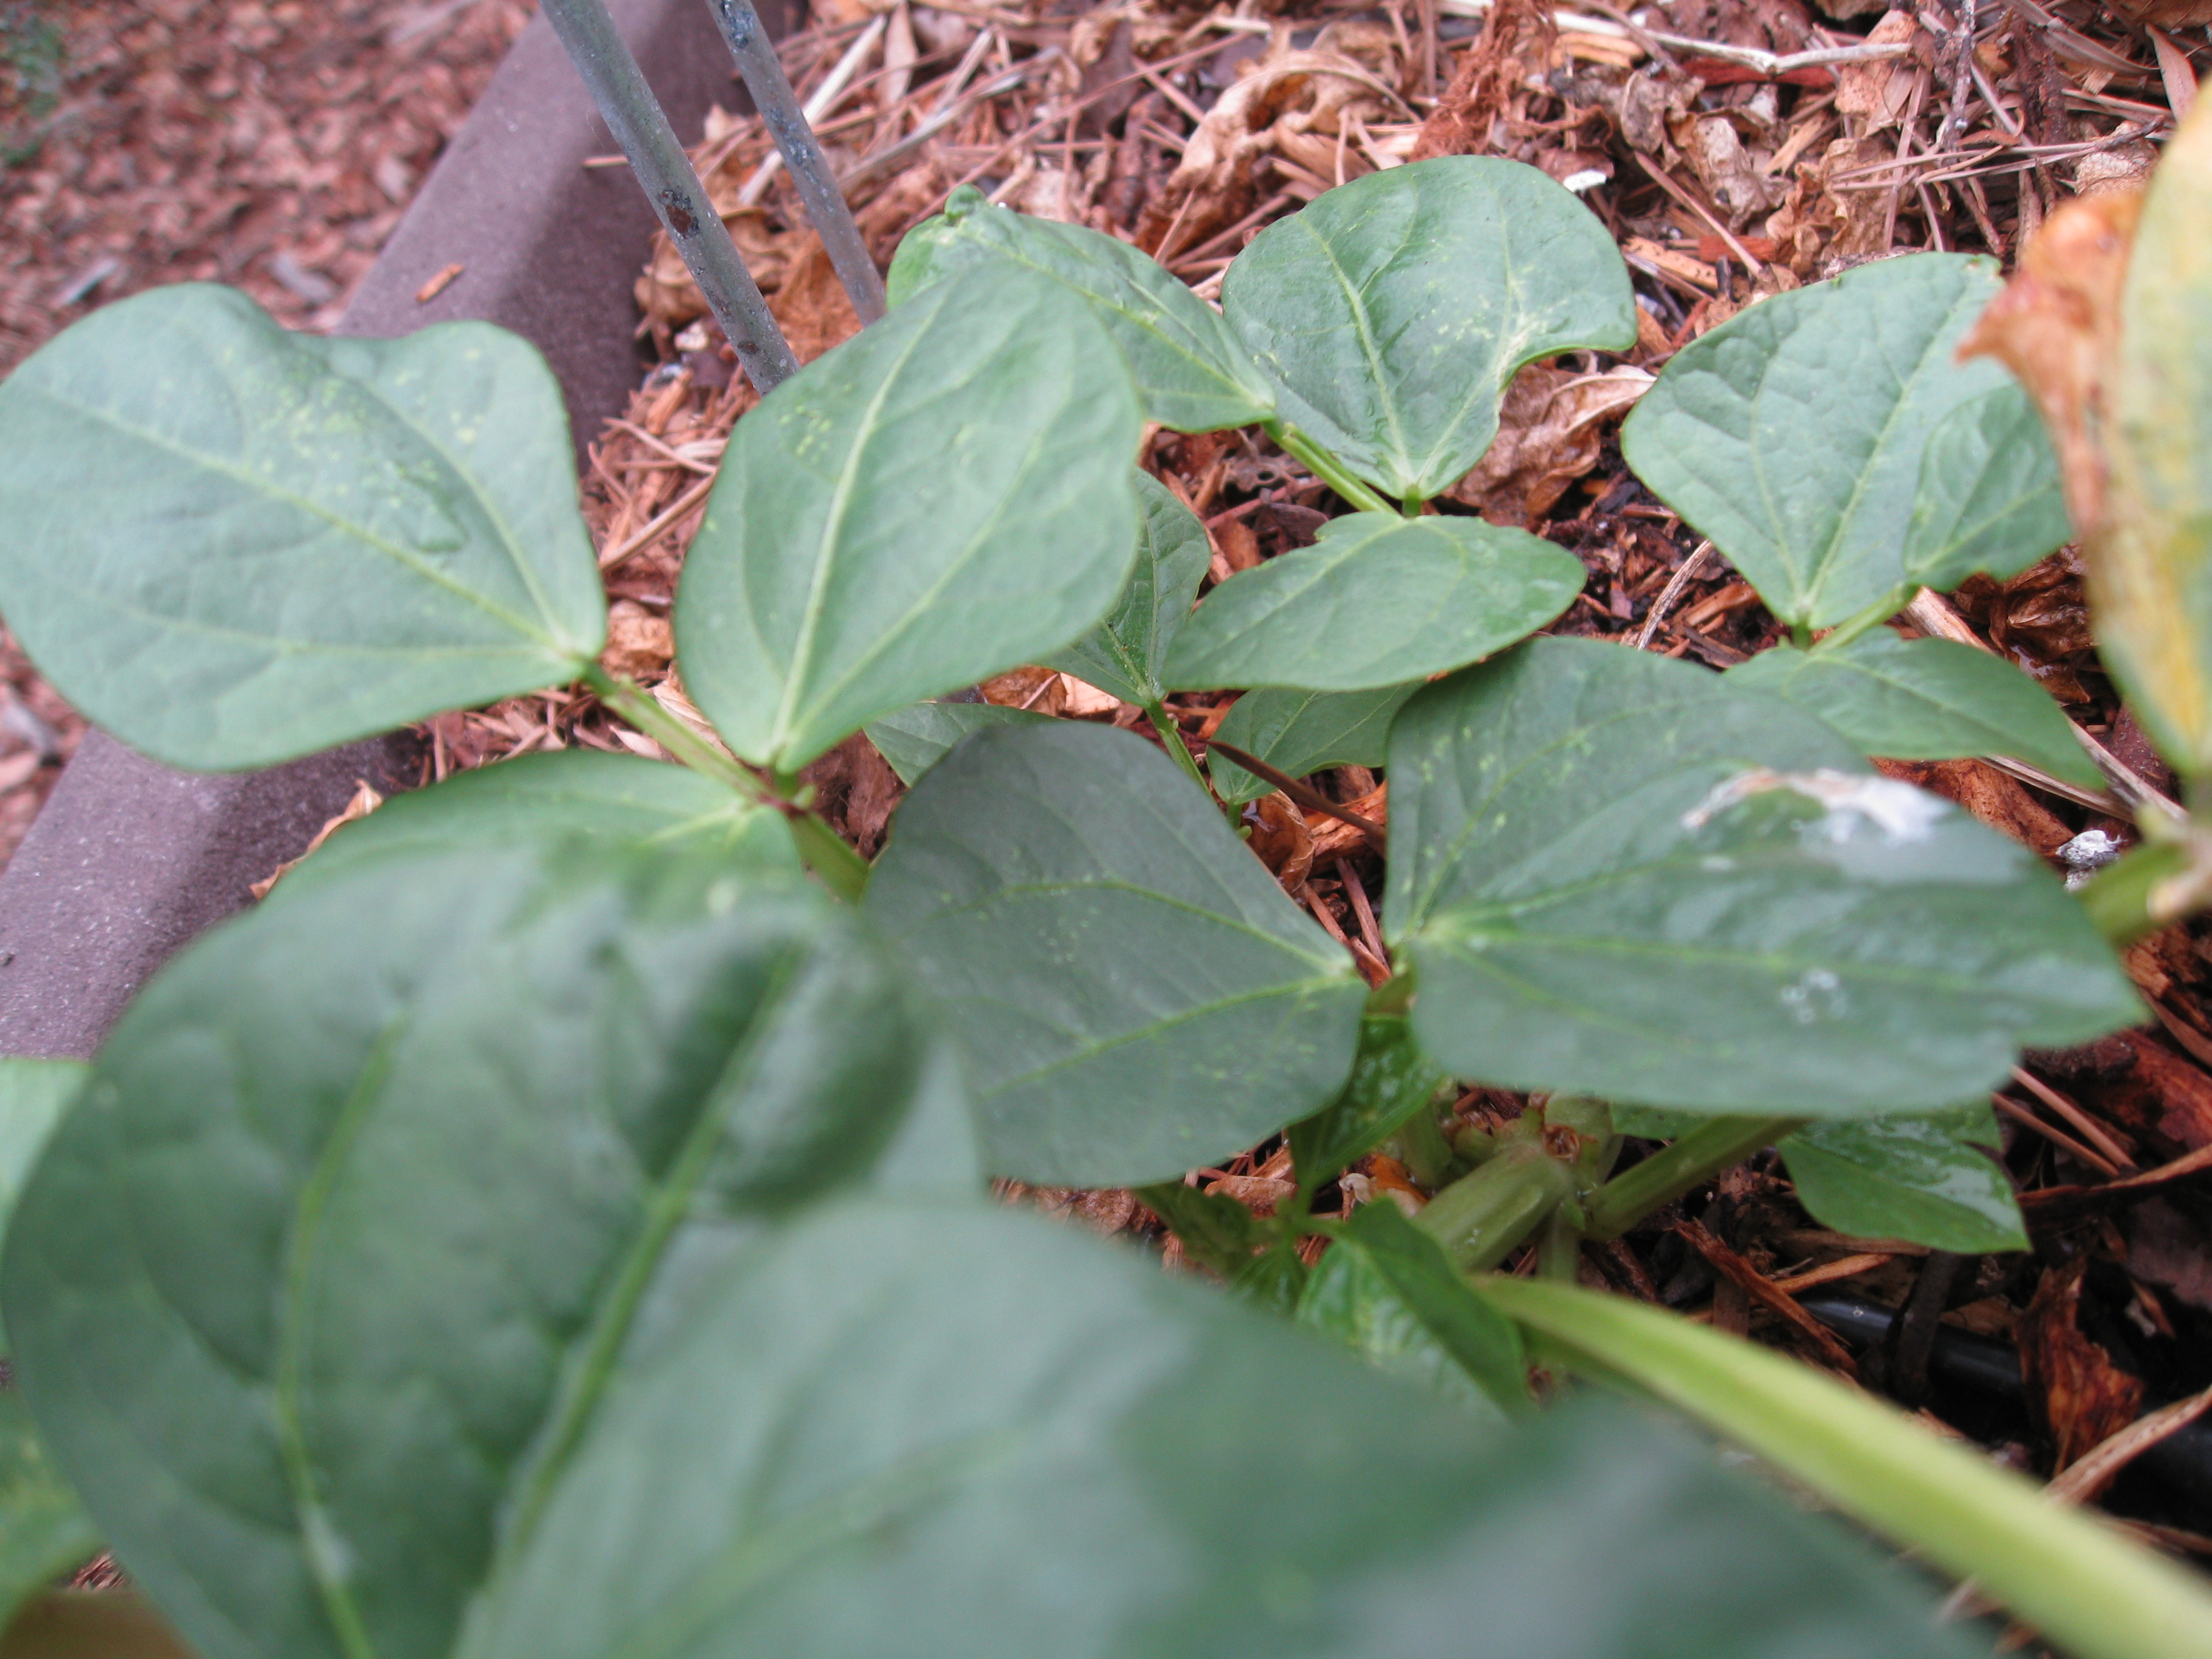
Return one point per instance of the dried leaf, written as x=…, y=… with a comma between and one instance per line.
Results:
x=2073, y=1383
x=1548, y=431
x=1281, y=837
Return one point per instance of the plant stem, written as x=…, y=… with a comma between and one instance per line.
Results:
x=617, y=86
x=2118, y=897
x=1703, y=1152
x=1172, y=739
x=1480, y=1217
x=802, y=153
x=2084, y=1586
x=1865, y=620
x=1326, y=467
x=643, y=711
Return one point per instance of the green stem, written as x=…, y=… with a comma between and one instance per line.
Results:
x=1559, y=1252
x=2085, y=1586
x=1703, y=1153
x=1480, y=1217
x=2118, y=897
x=1865, y=620
x=627, y=698
x=1172, y=739
x=1326, y=467
x=843, y=870
x=1422, y=1145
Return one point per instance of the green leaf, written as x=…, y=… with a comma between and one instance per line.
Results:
x=291, y=541
x=945, y=496
x=1923, y=1178
x=1135, y=994
x=320, y=1286
x=1923, y=700
x=1391, y=1079
x=995, y=1446
x=1386, y=1288
x=1990, y=498
x=1192, y=375
x=33, y=1095
x=43, y=1530
x=1395, y=308
x=1793, y=434
x=1377, y=601
x=574, y=792
x=914, y=739
x=1216, y=1231
x=2150, y=561
x=1125, y=653
x=1301, y=733
x=1620, y=876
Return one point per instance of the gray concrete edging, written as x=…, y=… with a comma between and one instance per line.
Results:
x=131, y=859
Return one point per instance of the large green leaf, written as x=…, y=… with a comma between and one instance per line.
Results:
x=1377, y=600
x=1124, y=654
x=1793, y=434
x=945, y=496
x=44, y=1531
x=230, y=545
x=1300, y=733
x=1922, y=1177
x=914, y=739
x=1192, y=375
x=1136, y=996
x=1923, y=700
x=1395, y=308
x=1387, y=1288
x=33, y=1095
x=319, y=1287
x=1619, y=876
x=582, y=792
x=2150, y=561
x=1989, y=498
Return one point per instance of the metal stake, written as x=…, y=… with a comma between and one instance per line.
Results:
x=617, y=86
x=802, y=153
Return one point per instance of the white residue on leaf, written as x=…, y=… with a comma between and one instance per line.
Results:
x=1815, y=994
x=1900, y=812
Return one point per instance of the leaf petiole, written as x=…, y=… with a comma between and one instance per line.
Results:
x=1172, y=740
x=1326, y=467
x=1865, y=622
x=2079, y=1581
x=1721, y=1144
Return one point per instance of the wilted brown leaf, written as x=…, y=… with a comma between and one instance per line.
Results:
x=1282, y=839
x=2073, y=1383
x=1549, y=429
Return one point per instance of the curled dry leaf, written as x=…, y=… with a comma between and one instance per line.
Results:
x=1821, y=229
x=1879, y=92
x=1548, y=431
x=639, y=643
x=1282, y=839
x=2082, y=1392
x=2056, y=326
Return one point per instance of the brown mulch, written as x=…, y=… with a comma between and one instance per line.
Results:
x=272, y=146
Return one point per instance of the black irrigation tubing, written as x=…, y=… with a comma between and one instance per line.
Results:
x=802, y=153
x=617, y=86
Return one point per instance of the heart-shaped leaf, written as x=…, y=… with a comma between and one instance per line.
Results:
x=1923, y=1178
x=1395, y=308
x=574, y=792
x=1793, y=434
x=1923, y=700
x=230, y=545
x=318, y=1290
x=1619, y=876
x=1124, y=654
x=1191, y=374
x=1301, y=733
x=1135, y=994
x=912, y=1433
x=1387, y=1288
x=43, y=1530
x=1990, y=498
x=1377, y=601
x=946, y=495
x=914, y=739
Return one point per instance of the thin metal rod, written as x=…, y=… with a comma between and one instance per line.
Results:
x=802, y=153
x=627, y=103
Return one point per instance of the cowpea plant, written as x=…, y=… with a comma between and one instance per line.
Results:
x=552, y=1223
